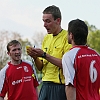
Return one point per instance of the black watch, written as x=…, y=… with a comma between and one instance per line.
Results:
x=44, y=55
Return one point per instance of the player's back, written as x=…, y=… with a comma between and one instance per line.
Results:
x=87, y=67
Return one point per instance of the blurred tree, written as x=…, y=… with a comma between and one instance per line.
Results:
x=93, y=37
x=24, y=43
x=94, y=41
x=37, y=39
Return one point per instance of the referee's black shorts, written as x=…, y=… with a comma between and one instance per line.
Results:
x=52, y=91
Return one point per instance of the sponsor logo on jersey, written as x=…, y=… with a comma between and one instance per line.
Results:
x=19, y=67
x=26, y=69
x=24, y=79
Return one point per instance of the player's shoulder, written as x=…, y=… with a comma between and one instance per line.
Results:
x=71, y=54
x=72, y=51
x=27, y=62
x=3, y=70
x=3, y=73
x=93, y=50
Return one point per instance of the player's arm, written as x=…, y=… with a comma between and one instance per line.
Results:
x=70, y=92
x=37, y=91
x=3, y=83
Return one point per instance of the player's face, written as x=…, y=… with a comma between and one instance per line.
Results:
x=15, y=52
x=50, y=24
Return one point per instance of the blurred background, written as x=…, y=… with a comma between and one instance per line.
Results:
x=22, y=20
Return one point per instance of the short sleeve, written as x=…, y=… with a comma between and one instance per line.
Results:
x=68, y=69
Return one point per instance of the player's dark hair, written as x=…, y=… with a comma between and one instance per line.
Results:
x=13, y=42
x=79, y=30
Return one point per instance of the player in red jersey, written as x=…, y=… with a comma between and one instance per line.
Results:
x=81, y=65
x=17, y=78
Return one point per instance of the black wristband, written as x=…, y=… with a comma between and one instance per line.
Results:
x=44, y=55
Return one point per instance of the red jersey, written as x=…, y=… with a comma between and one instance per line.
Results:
x=81, y=68
x=18, y=81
